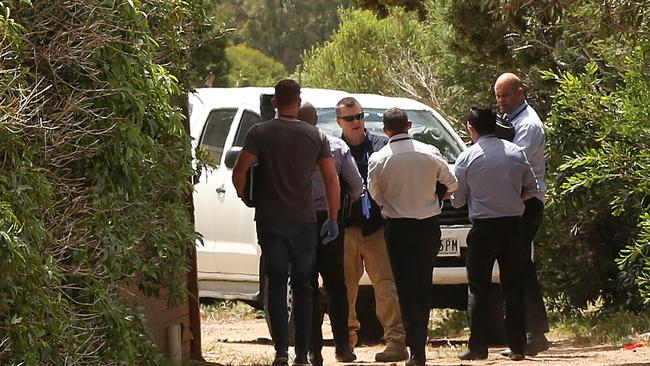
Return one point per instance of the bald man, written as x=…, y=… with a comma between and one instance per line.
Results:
x=529, y=135
x=329, y=258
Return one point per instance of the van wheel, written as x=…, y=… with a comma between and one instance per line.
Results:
x=265, y=297
x=371, y=331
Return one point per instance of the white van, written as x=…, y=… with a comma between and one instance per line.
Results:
x=229, y=257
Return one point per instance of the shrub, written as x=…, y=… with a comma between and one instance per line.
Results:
x=94, y=179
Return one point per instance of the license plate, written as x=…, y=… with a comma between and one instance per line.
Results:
x=449, y=248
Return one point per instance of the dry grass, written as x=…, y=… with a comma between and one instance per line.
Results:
x=228, y=310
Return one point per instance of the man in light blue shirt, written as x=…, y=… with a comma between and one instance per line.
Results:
x=529, y=135
x=329, y=258
x=494, y=178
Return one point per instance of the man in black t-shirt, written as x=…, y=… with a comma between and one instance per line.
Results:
x=365, y=247
x=288, y=150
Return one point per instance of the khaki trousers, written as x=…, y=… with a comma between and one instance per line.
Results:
x=370, y=252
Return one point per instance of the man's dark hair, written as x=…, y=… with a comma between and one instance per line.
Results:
x=347, y=102
x=286, y=91
x=396, y=120
x=483, y=119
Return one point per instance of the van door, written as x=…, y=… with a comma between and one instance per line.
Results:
x=213, y=139
x=236, y=251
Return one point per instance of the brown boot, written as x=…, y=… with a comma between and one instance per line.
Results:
x=392, y=354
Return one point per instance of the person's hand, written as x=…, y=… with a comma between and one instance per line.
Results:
x=329, y=231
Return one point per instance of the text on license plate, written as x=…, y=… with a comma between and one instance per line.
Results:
x=449, y=248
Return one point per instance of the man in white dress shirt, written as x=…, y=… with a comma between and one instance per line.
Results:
x=402, y=179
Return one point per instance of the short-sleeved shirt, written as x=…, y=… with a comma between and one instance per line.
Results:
x=287, y=151
x=347, y=170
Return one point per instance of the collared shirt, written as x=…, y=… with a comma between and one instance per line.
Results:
x=529, y=135
x=361, y=154
x=345, y=167
x=493, y=175
x=402, y=178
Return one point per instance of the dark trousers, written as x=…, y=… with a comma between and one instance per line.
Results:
x=500, y=239
x=536, y=319
x=329, y=263
x=288, y=250
x=412, y=248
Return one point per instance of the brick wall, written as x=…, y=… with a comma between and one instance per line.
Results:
x=159, y=317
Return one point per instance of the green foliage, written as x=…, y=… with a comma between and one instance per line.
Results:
x=597, y=150
x=358, y=57
x=95, y=174
x=596, y=133
x=599, y=327
x=381, y=7
x=448, y=323
x=251, y=67
x=281, y=29
x=228, y=310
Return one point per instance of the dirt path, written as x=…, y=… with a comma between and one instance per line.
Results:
x=247, y=343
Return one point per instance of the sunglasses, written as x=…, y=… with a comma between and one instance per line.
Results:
x=358, y=116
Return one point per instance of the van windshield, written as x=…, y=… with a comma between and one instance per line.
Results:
x=426, y=128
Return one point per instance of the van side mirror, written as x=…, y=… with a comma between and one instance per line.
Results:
x=231, y=156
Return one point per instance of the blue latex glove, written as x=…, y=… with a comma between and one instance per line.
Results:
x=365, y=205
x=329, y=231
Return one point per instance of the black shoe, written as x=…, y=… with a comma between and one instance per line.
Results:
x=536, y=343
x=416, y=360
x=530, y=351
x=517, y=356
x=300, y=361
x=471, y=355
x=280, y=361
x=316, y=359
x=345, y=356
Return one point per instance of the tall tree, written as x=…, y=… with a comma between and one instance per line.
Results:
x=251, y=67
x=369, y=54
x=282, y=29
x=381, y=7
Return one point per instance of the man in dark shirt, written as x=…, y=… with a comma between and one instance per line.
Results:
x=365, y=246
x=288, y=150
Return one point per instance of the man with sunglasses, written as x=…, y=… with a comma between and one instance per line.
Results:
x=365, y=246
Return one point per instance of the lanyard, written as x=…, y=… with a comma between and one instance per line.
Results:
x=512, y=118
x=400, y=139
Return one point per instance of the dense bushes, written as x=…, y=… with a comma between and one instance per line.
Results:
x=94, y=174
x=594, y=242
x=598, y=151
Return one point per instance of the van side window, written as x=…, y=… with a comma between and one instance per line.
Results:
x=216, y=130
x=248, y=120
